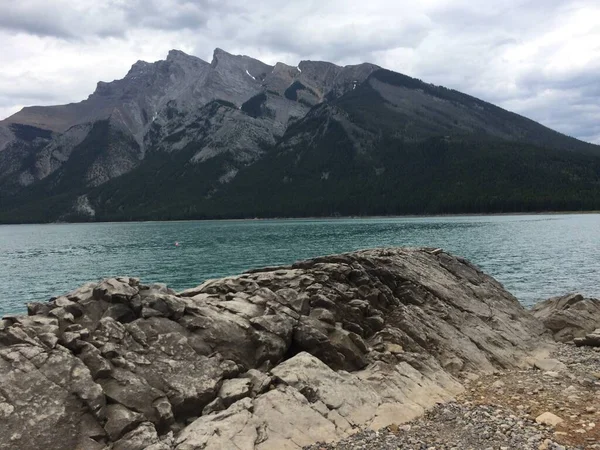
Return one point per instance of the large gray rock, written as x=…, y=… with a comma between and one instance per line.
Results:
x=143, y=437
x=120, y=420
x=569, y=316
x=314, y=402
x=274, y=358
x=234, y=390
x=363, y=397
x=591, y=339
x=47, y=399
x=550, y=365
x=280, y=419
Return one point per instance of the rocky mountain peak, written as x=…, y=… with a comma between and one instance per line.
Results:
x=175, y=59
x=139, y=68
x=220, y=55
x=282, y=67
x=175, y=54
x=323, y=65
x=103, y=89
x=179, y=59
x=225, y=62
x=319, y=69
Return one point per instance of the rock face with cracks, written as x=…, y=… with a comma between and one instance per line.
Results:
x=275, y=358
x=569, y=316
x=591, y=339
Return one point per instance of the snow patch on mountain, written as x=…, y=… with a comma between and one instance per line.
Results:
x=84, y=207
x=228, y=176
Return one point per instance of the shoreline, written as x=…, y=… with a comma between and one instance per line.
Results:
x=505, y=410
x=324, y=218
x=360, y=341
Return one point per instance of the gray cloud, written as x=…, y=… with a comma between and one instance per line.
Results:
x=60, y=18
x=67, y=19
x=169, y=15
x=539, y=58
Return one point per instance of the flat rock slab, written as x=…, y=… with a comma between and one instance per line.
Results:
x=590, y=340
x=549, y=418
x=550, y=365
x=233, y=390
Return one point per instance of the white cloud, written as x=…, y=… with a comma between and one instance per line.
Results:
x=539, y=58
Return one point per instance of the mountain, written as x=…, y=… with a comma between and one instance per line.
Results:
x=184, y=138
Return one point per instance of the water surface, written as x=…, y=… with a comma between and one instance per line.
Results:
x=534, y=256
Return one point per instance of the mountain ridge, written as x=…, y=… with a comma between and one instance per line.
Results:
x=345, y=134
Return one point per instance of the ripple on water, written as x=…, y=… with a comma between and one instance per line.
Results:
x=535, y=256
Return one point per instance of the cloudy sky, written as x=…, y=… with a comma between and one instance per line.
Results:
x=540, y=58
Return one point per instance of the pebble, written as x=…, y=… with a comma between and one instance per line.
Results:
x=454, y=426
x=476, y=422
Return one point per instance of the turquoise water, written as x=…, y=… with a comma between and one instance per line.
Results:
x=535, y=256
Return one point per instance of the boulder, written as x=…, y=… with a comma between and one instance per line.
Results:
x=235, y=425
x=279, y=419
x=548, y=418
x=82, y=294
x=550, y=365
x=45, y=398
x=569, y=316
x=144, y=437
x=214, y=406
x=38, y=308
x=591, y=340
x=121, y=313
x=259, y=381
x=99, y=367
x=156, y=288
x=115, y=290
x=132, y=391
x=121, y=420
x=235, y=389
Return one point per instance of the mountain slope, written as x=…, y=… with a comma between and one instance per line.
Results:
x=157, y=100
x=183, y=138
x=416, y=109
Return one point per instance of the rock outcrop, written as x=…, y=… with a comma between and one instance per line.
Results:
x=569, y=316
x=275, y=358
x=591, y=339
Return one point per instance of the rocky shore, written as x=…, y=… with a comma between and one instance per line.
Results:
x=383, y=348
x=530, y=409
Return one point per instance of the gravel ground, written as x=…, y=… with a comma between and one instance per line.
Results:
x=500, y=411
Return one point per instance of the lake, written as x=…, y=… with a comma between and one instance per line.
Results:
x=534, y=256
